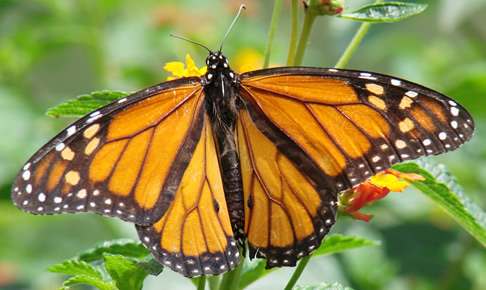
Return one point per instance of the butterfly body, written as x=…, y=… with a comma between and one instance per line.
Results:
x=201, y=163
x=223, y=103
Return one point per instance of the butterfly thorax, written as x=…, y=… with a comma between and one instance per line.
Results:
x=221, y=89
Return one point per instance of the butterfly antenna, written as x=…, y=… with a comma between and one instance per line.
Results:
x=231, y=26
x=192, y=41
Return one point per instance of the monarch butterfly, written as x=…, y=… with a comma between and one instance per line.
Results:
x=204, y=164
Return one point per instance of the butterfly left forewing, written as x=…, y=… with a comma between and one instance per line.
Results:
x=351, y=124
x=122, y=160
x=194, y=237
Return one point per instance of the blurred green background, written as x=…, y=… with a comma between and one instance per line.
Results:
x=53, y=50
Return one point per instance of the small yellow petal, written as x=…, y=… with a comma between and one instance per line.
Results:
x=174, y=67
x=203, y=70
x=190, y=63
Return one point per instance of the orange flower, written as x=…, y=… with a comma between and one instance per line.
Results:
x=178, y=71
x=374, y=189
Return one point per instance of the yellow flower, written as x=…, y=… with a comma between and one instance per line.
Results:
x=247, y=60
x=178, y=71
x=389, y=181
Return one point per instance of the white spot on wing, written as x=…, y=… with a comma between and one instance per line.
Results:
x=60, y=146
x=26, y=175
x=366, y=75
x=411, y=94
x=90, y=120
x=71, y=130
x=454, y=111
x=400, y=144
x=41, y=197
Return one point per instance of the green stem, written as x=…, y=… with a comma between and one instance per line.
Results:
x=271, y=34
x=213, y=282
x=201, y=283
x=231, y=280
x=353, y=45
x=298, y=271
x=309, y=19
x=294, y=32
x=95, y=39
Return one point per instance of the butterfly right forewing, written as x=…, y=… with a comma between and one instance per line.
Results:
x=352, y=125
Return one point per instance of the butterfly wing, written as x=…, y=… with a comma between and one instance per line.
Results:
x=351, y=125
x=194, y=237
x=337, y=128
x=124, y=160
x=286, y=214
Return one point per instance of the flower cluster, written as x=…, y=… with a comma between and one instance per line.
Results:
x=372, y=190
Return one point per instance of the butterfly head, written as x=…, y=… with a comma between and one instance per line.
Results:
x=217, y=64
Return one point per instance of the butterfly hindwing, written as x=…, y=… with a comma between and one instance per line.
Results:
x=118, y=160
x=194, y=237
x=286, y=213
x=351, y=124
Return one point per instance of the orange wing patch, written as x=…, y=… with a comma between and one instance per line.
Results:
x=286, y=214
x=194, y=236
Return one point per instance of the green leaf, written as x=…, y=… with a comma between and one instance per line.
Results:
x=322, y=286
x=83, y=279
x=444, y=190
x=76, y=267
x=338, y=243
x=385, y=12
x=149, y=264
x=126, y=274
x=252, y=271
x=85, y=104
x=123, y=247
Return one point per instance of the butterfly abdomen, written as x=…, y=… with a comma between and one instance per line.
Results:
x=233, y=189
